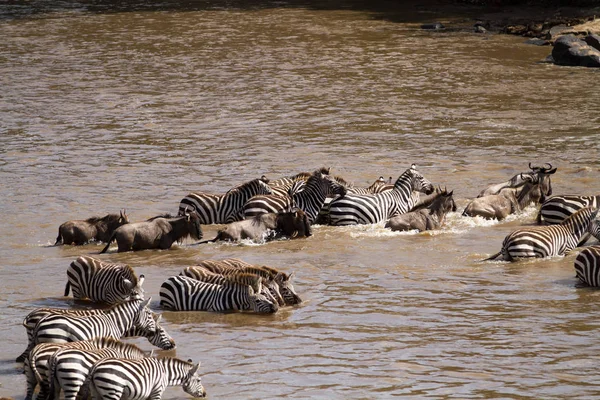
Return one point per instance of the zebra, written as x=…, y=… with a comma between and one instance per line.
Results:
x=146, y=378
x=310, y=199
x=36, y=365
x=558, y=208
x=587, y=266
x=69, y=368
x=159, y=338
x=226, y=208
x=249, y=275
x=547, y=241
x=283, y=280
x=375, y=208
x=182, y=293
x=102, y=282
x=114, y=323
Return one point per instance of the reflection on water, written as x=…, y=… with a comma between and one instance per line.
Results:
x=107, y=106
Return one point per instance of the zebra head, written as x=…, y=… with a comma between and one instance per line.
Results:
x=136, y=291
x=143, y=318
x=159, y=338
x=333, y=187
x=419, y=182
x=290, y=297
x=192, y=384
x=594, y=228
x=260, y=303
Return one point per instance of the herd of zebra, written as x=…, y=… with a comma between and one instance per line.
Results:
x=79, y=351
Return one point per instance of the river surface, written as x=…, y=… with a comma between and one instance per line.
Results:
x=105, y=106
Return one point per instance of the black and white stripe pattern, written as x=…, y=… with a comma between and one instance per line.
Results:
x=280, y=278
x=36, y=365
x=102, y=282
x=226, y=208
x=310, y=199
x=182, y=293
x=558, y=208
x=147, y=378
x=69, y=368
x=159, y=338
x=375, y=208
x=587, y=266
x=547, y=241
x=113, y=323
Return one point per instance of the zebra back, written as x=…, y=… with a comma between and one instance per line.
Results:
x=103, y=282
x=587, y=266
x=556, y=209
x=553, y=240
x=143, y=378
x=182, y=293
x=69, y=368
x=115, y=322
x=226, y=208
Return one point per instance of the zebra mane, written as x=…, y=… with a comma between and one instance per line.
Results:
x=244, y=185
x=343, y=182
x=113, y=343
x=109, y=217
x=246, y=279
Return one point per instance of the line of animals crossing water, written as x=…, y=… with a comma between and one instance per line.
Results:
x=80, y=352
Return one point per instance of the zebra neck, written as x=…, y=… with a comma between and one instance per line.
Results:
x=122, y=315
x=176, y=370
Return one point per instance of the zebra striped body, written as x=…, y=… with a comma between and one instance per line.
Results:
x=223, y=209
x=547, y=241
x=310, y=200
x=69, y=368
x=181, y=293
x=558, y=208
x=375, y=208
x=249, y=276
x=587, y=266
x=159, y=338
x=114, y=323
x=36, y=365
x=283, y=280
x=102, y=282
x=147, y=378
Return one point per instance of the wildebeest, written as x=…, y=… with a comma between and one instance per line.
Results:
x=543, y=174
x=79, y=232
x=157, y=233
x=266, y=227
x=507, y=202
x=425, y=219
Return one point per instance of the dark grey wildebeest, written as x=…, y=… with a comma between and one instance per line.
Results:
x=541, y=173
x=425, y=219
x=269, y=226
x=157, y=233
x=79, y=232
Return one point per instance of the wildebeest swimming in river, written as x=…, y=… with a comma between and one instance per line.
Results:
x=425, y=219
x=79, y=232
x=157, y=233
x=267, y=226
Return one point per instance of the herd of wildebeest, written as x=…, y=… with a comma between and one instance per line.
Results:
x=80, y=352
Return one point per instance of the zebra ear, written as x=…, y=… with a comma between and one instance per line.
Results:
x=413, y=166
x=145, y=302
x=290, y=276
x=128, y=284
x=141, y=280
x=158, y=318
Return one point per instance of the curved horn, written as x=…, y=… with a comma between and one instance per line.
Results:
x=549, y=166
x=531, y=168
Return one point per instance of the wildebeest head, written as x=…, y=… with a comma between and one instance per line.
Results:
x=294, y=223
x=544, y=178
x=193, y=224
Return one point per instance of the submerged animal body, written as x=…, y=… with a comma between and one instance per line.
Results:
x=80, y=232
x=156, y=233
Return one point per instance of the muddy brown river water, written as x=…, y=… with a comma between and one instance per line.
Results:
x=104, y=107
